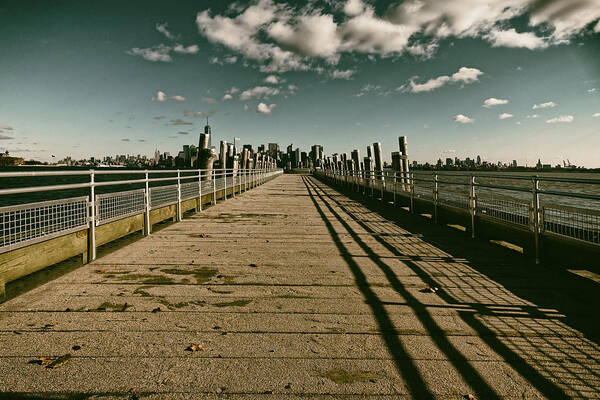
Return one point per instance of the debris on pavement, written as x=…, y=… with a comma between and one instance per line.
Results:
x=195, y=347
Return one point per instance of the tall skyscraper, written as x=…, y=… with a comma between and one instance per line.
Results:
x=237, y=145
x=208, y=132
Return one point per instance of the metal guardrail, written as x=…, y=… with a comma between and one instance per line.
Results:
x=26, y=224
x=504, y=202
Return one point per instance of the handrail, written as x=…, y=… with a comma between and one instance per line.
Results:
x=51, y=221
x=526, y=206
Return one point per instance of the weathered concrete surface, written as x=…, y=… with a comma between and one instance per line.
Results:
x=295, y=290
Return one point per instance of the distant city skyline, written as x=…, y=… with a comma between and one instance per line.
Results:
x=509, y=80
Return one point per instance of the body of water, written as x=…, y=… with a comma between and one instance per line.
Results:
x=423, y=189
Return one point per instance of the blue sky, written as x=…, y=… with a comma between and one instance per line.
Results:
x=509, y=79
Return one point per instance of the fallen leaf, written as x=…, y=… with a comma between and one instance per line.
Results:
x=59, y=361
x=76, y=347
x=157, y=309
x=253, y=265
x=43, y=361
x=195, y=347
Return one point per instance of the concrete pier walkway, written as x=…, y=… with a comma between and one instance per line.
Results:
x=294, y=290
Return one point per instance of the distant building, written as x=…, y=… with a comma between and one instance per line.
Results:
x=274, y=150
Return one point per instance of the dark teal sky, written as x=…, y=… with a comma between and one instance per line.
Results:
x=71, y=82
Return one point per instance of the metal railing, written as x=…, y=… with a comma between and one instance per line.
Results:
x=513, y=199
x=25, y=224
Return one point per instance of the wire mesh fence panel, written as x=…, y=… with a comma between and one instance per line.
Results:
x=163, y=195
x=510, y=210
x=220, y=183
x=31, y=223
x=189, y=190
x=572, y=222
x=113, y=206
x=423, y=188
x=453, y=197
x=207, y=187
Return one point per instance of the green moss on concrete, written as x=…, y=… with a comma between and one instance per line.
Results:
x=341, y=376
x=236, y=303
x=202, y=275
x=107, y=306
x=174, y=306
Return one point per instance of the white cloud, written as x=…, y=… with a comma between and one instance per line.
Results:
x=592, y=90
x=596, y=115
x=492, y=101
x=283, y=36
x=505, y=116
x=259, y=92
x=262, y=108
x=311, y=35
x=345, y=74
x=246, y=108
x=533, y=116
x=230, y=59
x=161, y=96
x=6, y=127
x=354, y=7
x=467, y=75
x=272, y=79
x=464, y=75
x=156, y=53
x=234, y=90
x=463, y=119
x=512, y=38
x=562, y=118
x=430, y=85
x=227, y=96
x=239, y=34
x=549, y=104
x=163, y=28
x=193, y=49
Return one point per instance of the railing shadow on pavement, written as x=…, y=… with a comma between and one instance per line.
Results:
x=549, y=353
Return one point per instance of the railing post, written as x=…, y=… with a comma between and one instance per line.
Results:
x=224, y=184
x=394, y=187
x=412, y=193
x=199, y=190
x=179, y=214
x=435, y=198
x=536, y=217
x=232, y=182
x=91, y=245
x=147, y=227
x=382, y=184
x=214, y=180
x=472, y=205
